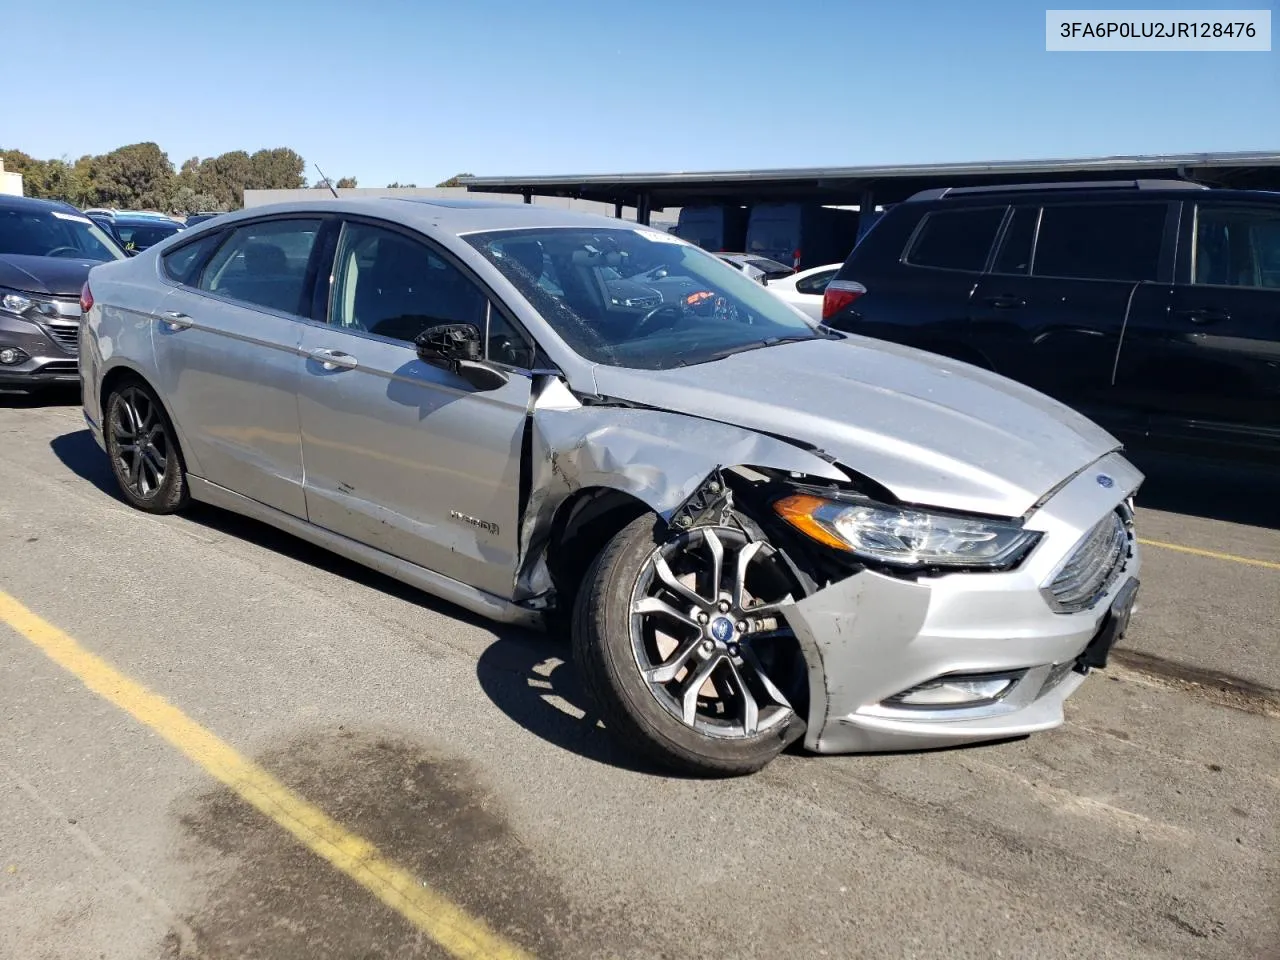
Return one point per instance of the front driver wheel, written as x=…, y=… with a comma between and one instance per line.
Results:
x=143, y=451
x=682, y=650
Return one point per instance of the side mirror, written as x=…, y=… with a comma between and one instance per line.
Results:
x=457, y=347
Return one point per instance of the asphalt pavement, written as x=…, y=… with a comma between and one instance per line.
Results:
x=458, y=753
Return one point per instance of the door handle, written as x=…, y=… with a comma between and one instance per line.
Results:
x=175, y=320
x=334, y=359
x=1205, y=315
x=1006, y=302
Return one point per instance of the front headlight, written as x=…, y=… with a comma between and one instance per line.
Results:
x=12, y=301
x=904, y=537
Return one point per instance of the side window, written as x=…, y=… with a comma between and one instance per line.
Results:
x=387, y=284
x=815, y=284
x=1101, y=241
x=183, y=263
x=264, y=264
x=1015, y=248
x=504, y=343
x=955, y=239
x=1237, y=247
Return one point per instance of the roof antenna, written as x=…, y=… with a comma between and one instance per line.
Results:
x=327, y=182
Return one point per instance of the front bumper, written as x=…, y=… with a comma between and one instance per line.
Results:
x=872, y=636
x=49, y=361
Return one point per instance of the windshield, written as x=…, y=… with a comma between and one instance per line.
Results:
x=139, y=236
x=35, y=232
x=639, y=298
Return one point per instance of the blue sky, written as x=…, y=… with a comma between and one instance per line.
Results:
x=417, y=91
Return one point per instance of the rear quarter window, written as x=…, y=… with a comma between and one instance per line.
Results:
x=955, y=239
x=182, y=264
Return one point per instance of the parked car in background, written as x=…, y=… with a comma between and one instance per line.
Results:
x=756, y=530
x=137, y=232
x=801, y=235
x=760, y=269
x=804, y=290
x=46, y=251
x=1152, y=307
x=195, y=218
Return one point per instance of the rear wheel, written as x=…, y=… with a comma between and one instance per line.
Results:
x=143, y=450
x=682, y=649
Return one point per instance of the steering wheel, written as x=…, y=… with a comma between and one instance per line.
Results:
x=63, y=251
x=649, y=322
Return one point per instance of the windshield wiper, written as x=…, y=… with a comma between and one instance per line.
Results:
x=760, y=344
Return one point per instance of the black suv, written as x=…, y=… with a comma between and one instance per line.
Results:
x=1152, y=307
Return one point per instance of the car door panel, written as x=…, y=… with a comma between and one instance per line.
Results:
x=1207, y=368
x=410, y=459
x=230, y=376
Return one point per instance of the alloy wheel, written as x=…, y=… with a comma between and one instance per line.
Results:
x=140, y=441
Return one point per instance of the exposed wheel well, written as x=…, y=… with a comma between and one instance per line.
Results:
x=113, y=379
x=582, y=526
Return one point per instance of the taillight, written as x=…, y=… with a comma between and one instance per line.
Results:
x=838, y=295
x=86, y=298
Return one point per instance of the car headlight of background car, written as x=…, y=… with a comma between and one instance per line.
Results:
x=25, y=305
x=906, y=537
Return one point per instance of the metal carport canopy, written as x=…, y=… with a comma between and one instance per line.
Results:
x=885, y=184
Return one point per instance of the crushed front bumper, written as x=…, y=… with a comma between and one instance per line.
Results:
x=872, y=637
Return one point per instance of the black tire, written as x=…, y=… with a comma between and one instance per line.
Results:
x=136, y=473
x=612, y=678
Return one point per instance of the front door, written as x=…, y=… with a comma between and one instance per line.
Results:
x=1207, y=369
x=226, y=345
x=402, y=455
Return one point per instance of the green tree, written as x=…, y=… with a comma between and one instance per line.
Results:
x=400, y=186
x=139, y=175
x=276, y=169
x=345, y=183
x=455, y=180
x=225, y=177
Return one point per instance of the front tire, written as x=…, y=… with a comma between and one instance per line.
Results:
x=143, y=450
x=682, y=651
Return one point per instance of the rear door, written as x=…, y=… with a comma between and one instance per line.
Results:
x=226, y=343
x=1207, y=369
x=1051, y=311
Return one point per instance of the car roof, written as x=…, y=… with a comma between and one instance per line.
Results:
x=1086, y=190
x=138, y=219
x=9, y=202
x=439, y=215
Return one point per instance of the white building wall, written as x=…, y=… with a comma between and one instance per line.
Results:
x=10, y=183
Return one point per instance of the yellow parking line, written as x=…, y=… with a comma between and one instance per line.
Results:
x=1211, y=554
x=448, y=925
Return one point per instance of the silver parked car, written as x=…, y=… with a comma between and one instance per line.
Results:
x=758, y=531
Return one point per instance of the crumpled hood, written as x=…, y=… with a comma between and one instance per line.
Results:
x=51, y=276
x=933, y=431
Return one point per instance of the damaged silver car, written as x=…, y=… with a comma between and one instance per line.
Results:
x=759, y=532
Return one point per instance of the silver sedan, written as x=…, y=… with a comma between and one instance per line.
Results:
x=757, y=531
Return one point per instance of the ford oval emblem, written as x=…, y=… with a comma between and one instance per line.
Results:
x=1105, y=481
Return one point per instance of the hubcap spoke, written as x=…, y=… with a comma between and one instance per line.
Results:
x=689, y=700
x=654, y=605
x=770, y=688
x=673, y=584
x=745, y=556
x=716, y=549
x=672, y=667
x=155, y=461
x=750, y=709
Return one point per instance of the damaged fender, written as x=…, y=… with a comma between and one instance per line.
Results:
x=659, y=457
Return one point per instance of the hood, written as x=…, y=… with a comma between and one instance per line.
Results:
x=933, y=431
x=51, y=276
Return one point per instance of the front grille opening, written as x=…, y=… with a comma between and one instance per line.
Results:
x=1092, y=567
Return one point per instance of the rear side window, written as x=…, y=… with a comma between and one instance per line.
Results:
x=816, y=283
x=264, y=264
x=955, y=239
x=1237, y=247
x=183, y=263
x=1101, y=241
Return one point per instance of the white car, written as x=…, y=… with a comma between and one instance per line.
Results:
x=804, y=290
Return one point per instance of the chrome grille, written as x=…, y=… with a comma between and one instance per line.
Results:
x=1092, y=567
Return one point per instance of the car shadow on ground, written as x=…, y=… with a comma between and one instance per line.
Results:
x=1234, y=493
x=528, y=675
